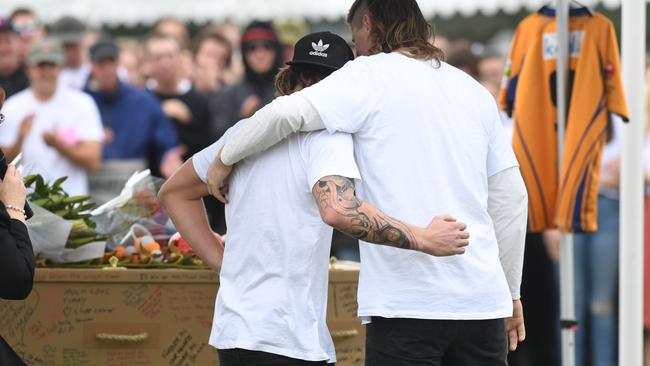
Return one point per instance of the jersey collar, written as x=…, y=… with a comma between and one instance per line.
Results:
x=574, y=12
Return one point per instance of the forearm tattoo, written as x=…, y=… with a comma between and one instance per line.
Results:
x=359, y=219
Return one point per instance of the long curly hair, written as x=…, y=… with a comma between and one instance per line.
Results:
x=396, y=25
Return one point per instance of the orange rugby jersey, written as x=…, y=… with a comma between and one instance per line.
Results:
x=568, y=202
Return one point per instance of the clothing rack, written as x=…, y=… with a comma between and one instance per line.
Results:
x=633, y=36
x=567, y=264
x=631, y=188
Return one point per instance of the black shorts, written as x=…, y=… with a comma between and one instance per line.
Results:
x=244, y=357
x=416, y=342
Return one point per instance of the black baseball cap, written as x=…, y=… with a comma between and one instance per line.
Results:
x=322, y=49
x=103, y=49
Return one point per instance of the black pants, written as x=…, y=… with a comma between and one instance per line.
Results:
x=244, y=357
x=539, y=296
x=416, y=342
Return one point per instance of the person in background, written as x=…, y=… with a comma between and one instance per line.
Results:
x=134, y=125
x=71, y=32
x=13, y=77
x=540, y=298
x=490, y=72
x=262, y=55
x=463, y=58
x=184, y=105
x=442, y=42
x=131, y=61
x=289, y=32
x=30, y=29
x=58, y=130
x=596, y=266
x=233, y=34
x=212, y=55
x=262, y=59
x=539, y=292
x=174, y=27
x=17, y=262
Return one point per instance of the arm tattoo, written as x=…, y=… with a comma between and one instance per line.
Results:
x=360, y=220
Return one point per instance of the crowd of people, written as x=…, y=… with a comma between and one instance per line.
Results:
x=85, y=105
x=95, y=108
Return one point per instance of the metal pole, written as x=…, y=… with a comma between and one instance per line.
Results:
x=631, y=217
x=567, y=284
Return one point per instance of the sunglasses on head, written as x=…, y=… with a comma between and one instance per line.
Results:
x=252, y=46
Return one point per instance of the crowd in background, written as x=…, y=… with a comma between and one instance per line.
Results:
x=157, y=98
x=96, y=108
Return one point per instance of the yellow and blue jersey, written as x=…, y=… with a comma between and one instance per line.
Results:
x=568, y=200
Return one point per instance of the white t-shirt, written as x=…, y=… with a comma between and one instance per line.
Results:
x=425, y=139
x=611, y=154
x=75, y=78
x=68, y=111
x=274, y=277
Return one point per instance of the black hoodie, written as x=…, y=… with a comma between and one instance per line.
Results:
x=225, y=107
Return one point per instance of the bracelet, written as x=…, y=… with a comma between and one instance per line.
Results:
x=14, y=208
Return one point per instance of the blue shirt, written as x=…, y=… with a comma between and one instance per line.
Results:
x=138, y=123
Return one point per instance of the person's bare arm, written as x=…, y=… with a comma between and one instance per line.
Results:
x=182, y=196
x=340, y=208
x=86, y=154
x=25, y=126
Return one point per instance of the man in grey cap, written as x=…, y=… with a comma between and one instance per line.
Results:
x=71, y=32
x=57, y=129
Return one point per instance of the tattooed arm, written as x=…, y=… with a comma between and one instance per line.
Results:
x=340, y=208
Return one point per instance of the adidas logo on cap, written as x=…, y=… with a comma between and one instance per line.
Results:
x=319, y=48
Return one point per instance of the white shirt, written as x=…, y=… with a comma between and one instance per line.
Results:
x=68, y=111
x=274, y=276
x=75, y=78
x=425, y=145
x=611, y=153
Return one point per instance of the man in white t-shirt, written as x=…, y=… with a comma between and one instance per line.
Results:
x=428, y=139
x=58, y=130
x=273, y=282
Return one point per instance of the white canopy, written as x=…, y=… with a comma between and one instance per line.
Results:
x=131, y=12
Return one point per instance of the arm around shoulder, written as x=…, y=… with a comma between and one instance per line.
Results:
x=270, y=125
